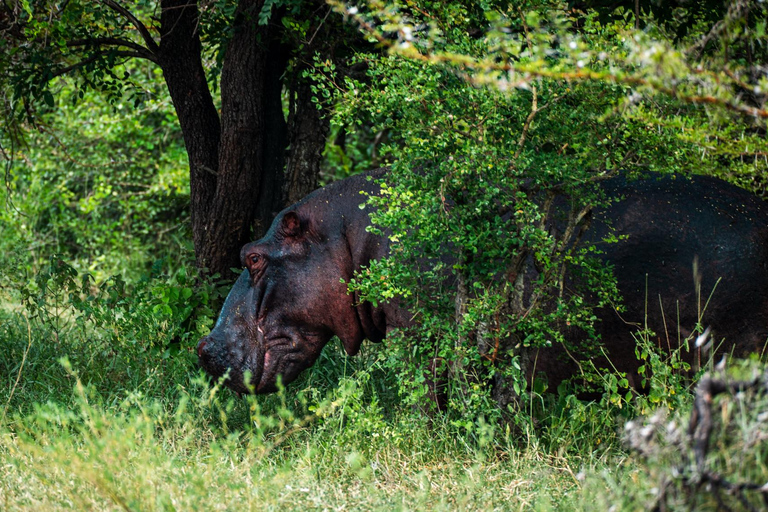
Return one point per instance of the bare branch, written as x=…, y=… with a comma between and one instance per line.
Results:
x=309, y=43
x=700, y=427
x=701, y=477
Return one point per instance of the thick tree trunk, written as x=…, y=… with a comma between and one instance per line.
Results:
x=180, y=58
x=236, y=162
x=275, y=139
x=228, y=226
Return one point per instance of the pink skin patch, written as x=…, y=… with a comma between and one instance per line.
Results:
x=267, y=362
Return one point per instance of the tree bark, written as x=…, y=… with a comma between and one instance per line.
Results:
x=241, y=152
x=237, y=160
x=236, y=154
x=275, y=139
x=308, y=132
x=180, y=57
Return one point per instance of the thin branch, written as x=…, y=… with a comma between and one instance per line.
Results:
x=143, y=31
x=114, y=41
x=47, y=130
x=97, y=56
x=630, y=80
x=734, y=10
x=482, y=67
x=465, y=134
x=534, y=101
x=527, y=124
x=309, y=43
x=62, y=6
x=738, y=81
x=528, y=120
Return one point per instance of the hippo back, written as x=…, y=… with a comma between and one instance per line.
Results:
x=693, y=251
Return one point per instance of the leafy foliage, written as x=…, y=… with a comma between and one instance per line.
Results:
x=471, y=200
x=493, y=110
x=484, y=110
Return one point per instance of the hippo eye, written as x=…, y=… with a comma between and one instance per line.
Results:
x=255, y=263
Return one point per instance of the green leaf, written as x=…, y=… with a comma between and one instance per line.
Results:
x=48, y=98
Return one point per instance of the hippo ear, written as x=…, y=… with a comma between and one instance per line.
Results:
x=291, y=225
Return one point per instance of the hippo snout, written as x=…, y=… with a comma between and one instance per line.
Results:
x=220, y=355
x=212, y=358
x=206, y=359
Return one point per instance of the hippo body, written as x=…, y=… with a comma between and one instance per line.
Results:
x=290, y=300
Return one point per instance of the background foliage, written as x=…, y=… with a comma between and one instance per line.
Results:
x=101, y=306
x=100, y=183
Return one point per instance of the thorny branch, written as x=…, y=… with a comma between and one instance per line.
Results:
x=526, y=74
x=699, y=477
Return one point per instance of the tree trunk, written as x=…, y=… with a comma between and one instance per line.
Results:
x=236, y=162
x=243, y=84
x=180, y=58
x=308, y=133
x=275, y=139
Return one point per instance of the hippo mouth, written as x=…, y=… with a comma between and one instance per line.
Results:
x=214, y=366
x=279, y=356
x=282, y=356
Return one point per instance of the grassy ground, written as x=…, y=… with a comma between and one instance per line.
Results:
x=93, y=421
x=128, y=457
x=105, y=411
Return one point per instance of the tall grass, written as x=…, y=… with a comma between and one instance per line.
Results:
x=104, y=408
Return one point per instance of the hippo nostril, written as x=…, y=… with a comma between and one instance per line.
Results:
x=201, y=348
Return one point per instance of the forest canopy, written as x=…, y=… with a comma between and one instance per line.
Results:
x=259, y=89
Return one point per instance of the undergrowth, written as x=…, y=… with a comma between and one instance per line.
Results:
x=103, y=407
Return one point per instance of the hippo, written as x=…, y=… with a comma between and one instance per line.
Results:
x=291, y=297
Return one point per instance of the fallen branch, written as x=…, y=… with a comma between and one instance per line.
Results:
x=695, y=472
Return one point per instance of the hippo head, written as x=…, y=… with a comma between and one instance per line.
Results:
x=285, y=306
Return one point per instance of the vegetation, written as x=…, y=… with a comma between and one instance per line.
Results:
x=487, y=126
x=102, y=301
x=224, y=65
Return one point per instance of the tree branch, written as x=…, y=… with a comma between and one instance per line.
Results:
x=114, y=41
x=482, y=67
x=738, y=8
x=700, y=426
x=95, y=57
x=143, y=31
